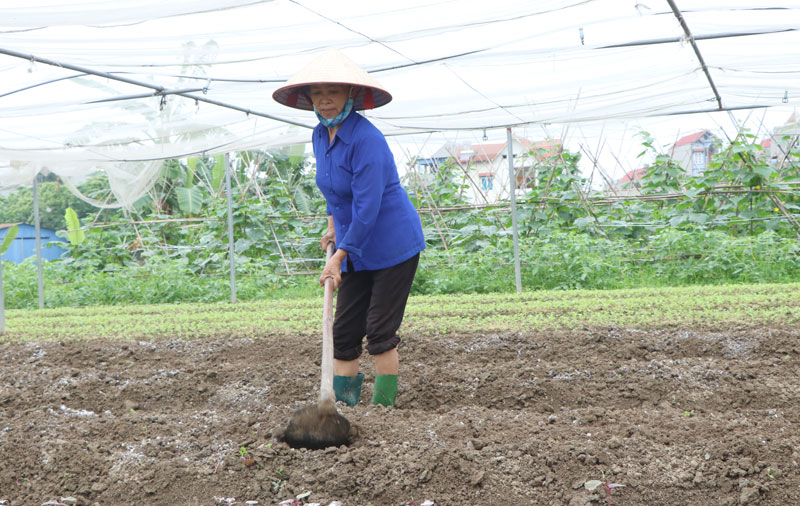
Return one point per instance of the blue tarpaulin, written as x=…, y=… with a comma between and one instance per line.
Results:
x=24, y=244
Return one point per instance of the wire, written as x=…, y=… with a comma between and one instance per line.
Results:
x=351, y=30
x=143, y=84
x=43, y=84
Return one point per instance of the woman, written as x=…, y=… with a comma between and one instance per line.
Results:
x=371, y=221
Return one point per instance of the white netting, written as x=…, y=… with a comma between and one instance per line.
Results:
x=450, y=65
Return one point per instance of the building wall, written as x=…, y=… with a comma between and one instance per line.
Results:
x=694, y=157
x=24, y=244
x=784, y=139
x=682, y=155
x=492, y=176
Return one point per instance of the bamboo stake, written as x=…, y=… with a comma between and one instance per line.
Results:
x=426, y=194
x=280, y=250
x=786, y=213
x=472, y=182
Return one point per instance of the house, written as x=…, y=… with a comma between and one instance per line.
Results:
x=782, y=140
x=430, y=164
x=629, y=184
x=24, y=244
x=693, y=152
x=486, y=163
x=489, y=173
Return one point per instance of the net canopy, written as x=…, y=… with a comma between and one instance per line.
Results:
x=91, y=85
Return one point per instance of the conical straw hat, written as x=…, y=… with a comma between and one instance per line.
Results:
x=332, y=67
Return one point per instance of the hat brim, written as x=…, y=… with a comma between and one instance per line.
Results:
x=332, y=67
x=366, y=97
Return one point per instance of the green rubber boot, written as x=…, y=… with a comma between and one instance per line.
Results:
x=348, y=388
x=385, y=391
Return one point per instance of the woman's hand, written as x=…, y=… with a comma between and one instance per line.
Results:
x=329, y=235
x=333, y=269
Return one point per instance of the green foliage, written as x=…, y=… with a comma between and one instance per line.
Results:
x=54, y=199
x=217, y=173
x=190, y=200
x=162, y=282
x=757, y=305
x=74, y=232
x=572, y=260
x=723, y=226
x=664, y=175
x=9, y=238
x=446, y=185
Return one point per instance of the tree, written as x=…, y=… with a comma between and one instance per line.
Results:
x=54, y=199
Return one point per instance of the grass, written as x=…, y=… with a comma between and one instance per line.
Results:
x=695, y=306
x=552, y=261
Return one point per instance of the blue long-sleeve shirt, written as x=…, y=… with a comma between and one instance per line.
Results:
x=375, y=221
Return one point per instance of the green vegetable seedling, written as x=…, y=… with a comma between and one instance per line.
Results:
x=591, y=485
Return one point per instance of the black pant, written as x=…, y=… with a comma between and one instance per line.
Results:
x=372, y=304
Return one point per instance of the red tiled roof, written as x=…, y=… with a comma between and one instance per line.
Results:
x=690, y=138
x=486, y=152
x=633, y=175
x=766, y=143
x=525, y=142
x=551, y=148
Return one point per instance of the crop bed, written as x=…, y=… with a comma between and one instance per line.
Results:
x=677, y=411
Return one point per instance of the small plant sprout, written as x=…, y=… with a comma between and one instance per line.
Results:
x=591, y=485
x=245, y=457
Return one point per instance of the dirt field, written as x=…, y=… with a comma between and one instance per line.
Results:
x=678, y=416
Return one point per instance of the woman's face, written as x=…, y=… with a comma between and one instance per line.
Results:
x=329, y=99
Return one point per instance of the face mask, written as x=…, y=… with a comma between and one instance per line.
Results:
x=336, y=121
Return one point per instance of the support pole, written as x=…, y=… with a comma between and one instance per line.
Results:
x=230, y=226
x=159, y=90
x=38, y=239
x=679, y=15
x=513, y=188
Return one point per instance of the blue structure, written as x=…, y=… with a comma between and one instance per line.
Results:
x=24, y=244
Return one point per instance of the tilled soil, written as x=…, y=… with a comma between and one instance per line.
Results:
x=678, y=416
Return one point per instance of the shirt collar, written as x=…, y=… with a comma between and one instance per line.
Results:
x=345, y=132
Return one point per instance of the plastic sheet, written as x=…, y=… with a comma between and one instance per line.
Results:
x=450, y=65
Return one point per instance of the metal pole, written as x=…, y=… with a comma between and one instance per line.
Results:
x=38, y=239
x=159, y=90
x=513, y=188
x=678, y=14
x=230, y=227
